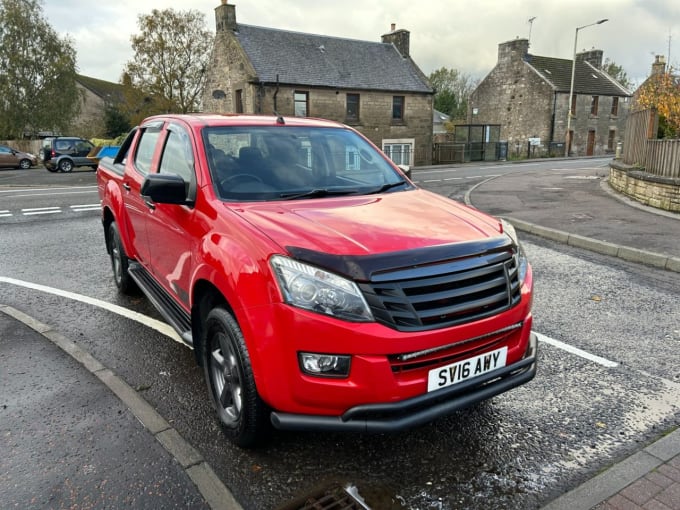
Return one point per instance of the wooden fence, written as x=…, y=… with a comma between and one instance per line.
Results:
x=640, y=148
x=32, y=146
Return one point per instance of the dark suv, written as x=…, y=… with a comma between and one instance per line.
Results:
x=62, y=153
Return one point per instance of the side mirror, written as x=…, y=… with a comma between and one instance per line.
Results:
x=406, y=169
x=165, y=189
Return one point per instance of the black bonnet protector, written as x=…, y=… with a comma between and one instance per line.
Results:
x=367, y=267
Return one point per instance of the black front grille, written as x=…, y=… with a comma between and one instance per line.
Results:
x=445, y=294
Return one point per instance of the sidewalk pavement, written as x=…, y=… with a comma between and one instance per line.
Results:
x=577, y=207
x=77, y=436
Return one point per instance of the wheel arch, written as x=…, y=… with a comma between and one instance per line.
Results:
x=65, y=158
x=206, y=296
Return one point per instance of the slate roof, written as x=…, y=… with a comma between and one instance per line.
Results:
x=324, y=61
x=587, y=78
x=107, y=90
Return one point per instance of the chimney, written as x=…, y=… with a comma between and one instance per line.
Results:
x=513, y=50
x=225, y=17
x=659, y=65
x=400, y=38
x=594, y=57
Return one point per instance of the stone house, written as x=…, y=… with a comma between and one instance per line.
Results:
x=528, y=96
x=95, y=95
x=374, y=87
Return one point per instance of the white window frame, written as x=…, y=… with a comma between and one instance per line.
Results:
x=390, y=142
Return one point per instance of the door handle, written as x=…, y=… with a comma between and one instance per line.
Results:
x=126, y=186
x=150, y=204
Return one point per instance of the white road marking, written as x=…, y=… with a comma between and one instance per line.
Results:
x=32, y=209
x=159, y=326
x=85, y=207
x=54, y=194
x=47, y=189
x=41, y=210
x=4, y=215
x=575, y=350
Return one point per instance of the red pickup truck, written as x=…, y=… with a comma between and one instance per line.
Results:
x=318, y=286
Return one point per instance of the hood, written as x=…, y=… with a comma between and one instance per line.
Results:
x=370, y=224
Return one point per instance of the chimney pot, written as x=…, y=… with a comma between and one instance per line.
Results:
x=394, y=27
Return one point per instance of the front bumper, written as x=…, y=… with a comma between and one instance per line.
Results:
x=393, y=417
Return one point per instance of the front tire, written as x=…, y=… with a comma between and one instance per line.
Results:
x=65, y=165
x=25, y=164
x=120, y=262
x=230, y=381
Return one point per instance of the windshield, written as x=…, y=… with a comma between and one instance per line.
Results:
x=253, y=163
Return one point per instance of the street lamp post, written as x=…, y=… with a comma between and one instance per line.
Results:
x=571, y=87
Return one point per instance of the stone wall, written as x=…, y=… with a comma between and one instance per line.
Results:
x=91, y=121
x=652, y=190
x=583, y=121
x=515, y=97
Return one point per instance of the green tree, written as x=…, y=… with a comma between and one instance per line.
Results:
x=37, y=72
x=116, y=122
x=172, y=51
x=451, y=91
x=617, y=72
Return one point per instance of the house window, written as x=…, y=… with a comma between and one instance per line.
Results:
x=615, y=106
x=594, y=104
x=399, y=151
x=398, y=108
x=301, y=104
x=573, y=105
x=238, y=100
x=611, y=139
x=352, y=112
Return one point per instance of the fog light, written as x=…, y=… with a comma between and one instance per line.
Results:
x=324, y=365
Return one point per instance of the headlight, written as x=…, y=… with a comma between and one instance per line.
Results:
x=314, y=289
x=522, y=262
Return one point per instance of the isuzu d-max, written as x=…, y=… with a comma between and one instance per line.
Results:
x=318, y=286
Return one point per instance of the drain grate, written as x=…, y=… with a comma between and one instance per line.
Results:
x=334, y=498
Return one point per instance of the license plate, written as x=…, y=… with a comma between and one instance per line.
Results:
x=470, y=368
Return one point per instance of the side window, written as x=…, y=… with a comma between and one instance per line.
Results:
x=63, y=145
x=82, y=145
x=177, y=156
x=145, y=149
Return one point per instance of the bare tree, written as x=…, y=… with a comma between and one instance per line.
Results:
x=172, y=51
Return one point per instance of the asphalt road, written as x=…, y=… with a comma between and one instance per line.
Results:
x=584, y=410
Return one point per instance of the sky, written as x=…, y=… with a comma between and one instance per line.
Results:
x=457, y=34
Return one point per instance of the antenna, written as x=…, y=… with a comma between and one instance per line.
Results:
x=531, y=24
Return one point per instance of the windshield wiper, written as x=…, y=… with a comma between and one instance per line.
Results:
x=317, y=193
x=385, y=187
